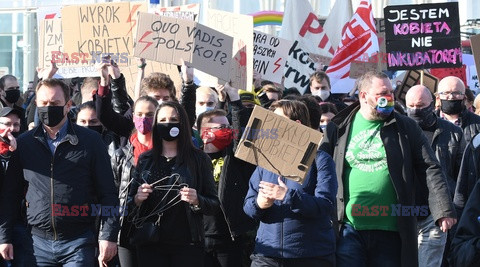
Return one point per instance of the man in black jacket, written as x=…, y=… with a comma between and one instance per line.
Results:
x=451, y=94
x=9, y=95
x=466, y=243
x=447, y=142
x=381, y=156
x=69, y=179
x=226, y=232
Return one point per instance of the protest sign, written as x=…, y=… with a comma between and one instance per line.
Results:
x=358, y=68
x=186, y=12
x=460, y=73
x=130, y=73
x=100, y=30
x=49, y=12
x=171, y=40
x=270, y=55
x=50, y=49
x=240, y=27
x=3, y=71
x=413, y=78
x=423, y=36
x=278, y=144
x=475, y=44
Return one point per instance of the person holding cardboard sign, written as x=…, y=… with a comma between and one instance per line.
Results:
x=295, y=219
x=381, y=157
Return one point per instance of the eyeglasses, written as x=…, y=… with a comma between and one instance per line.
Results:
x=453, y=94
x=222, y=126
x=9, y=124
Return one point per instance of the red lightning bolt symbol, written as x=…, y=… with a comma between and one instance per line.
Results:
x=277, y=64
x=50, y=16
x=132, y=12
x=145, y=42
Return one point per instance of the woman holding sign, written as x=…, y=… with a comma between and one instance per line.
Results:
x=295, y=219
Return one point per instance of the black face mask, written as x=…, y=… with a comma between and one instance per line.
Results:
x=96, y=128
x=50, y=115
x=168, y=131
x=12, y=96
x=451, y=107
x=423, y=116
x=15, y=134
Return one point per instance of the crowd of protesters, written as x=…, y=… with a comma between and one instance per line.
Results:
x=93, y=176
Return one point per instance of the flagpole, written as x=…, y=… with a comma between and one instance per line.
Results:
x=421, y=77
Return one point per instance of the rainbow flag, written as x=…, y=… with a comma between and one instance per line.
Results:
x=262, y=18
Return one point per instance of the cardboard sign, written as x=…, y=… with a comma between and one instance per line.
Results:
x=130, y=74
x=186, y=12
x=101, y=29
x=240, y=27
x=358, y=68
x=50, y=48
x=3, y=71
x=460, y=73
x=475, y=44
x=270, y=55
x=423, y=36
x=279, y=144
x=413, y=78
x=170, y=40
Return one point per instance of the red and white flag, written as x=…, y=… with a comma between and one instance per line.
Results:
x=338, y=17
x=310, y=43
x=359, y=42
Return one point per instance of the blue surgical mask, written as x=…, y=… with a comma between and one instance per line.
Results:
x=200, y=109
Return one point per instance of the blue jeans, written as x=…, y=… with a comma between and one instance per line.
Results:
x=431, y=243
x=79, y=251
x=368, y=248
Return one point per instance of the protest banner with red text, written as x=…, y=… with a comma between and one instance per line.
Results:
x=171, y=40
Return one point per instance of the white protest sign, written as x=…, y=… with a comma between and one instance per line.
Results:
x=270, y=55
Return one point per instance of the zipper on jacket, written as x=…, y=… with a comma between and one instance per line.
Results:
x=52, y=198
x=228, y=223
x=51, y=188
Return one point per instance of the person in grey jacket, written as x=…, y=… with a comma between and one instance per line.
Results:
x=447, y=142
x=381, y=156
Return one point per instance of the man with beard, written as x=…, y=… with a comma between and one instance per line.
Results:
x=451, y=94
x=447, y=142
x=381, y=156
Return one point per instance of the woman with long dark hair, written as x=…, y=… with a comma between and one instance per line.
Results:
x=173, y=188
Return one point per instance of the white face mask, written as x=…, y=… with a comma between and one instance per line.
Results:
x=200, y=109
x=323, y=94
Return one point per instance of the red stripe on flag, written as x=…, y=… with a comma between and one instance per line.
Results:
x=50, y=16
x=324, y=41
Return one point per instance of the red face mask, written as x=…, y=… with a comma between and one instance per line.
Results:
x=220, y=139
